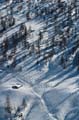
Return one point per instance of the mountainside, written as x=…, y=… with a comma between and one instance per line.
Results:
x=39, y=60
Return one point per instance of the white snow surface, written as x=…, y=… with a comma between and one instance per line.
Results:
x=49, y=90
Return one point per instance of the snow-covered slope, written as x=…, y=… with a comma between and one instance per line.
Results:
x=40, y=87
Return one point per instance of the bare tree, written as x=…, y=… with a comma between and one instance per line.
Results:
x=8, y=108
